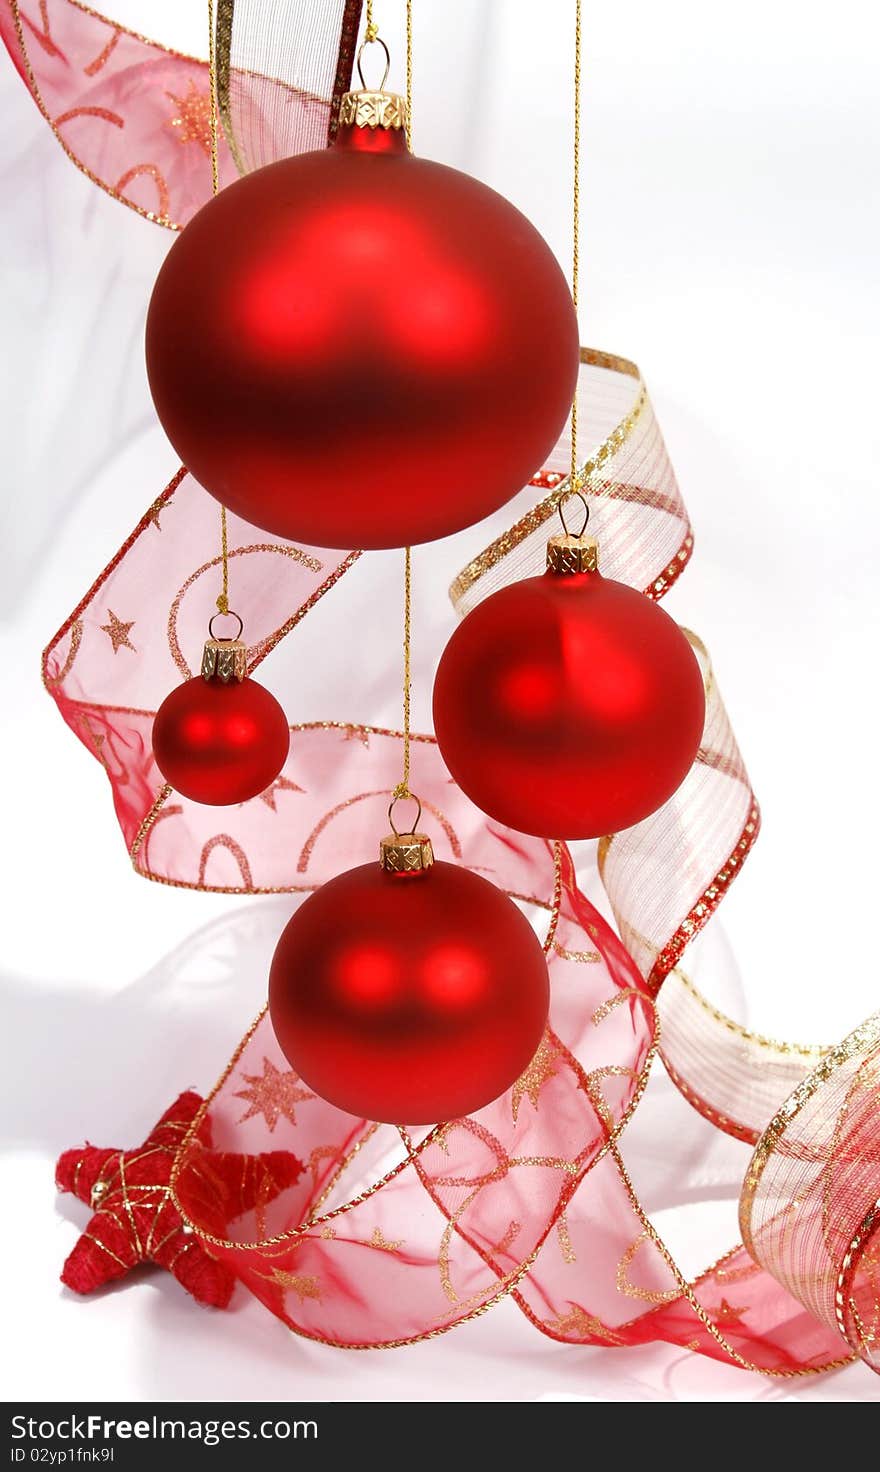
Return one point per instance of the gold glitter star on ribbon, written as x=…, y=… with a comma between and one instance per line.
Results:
x=281, y=784
x=273, y=1094
x=382, y=1243
x=118, y=631
x=539, y=1072
x=506, y=1242
x=356, y=733
x=304, y=1285
x=152, y=516
x=727, y=1314
x=321, y=1152
x=192, y=123
x=580, y=1324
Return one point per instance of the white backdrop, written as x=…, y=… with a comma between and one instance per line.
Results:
x=730, y=230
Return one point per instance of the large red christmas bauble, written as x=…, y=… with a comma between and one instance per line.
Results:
x=358, y=348
x=568, y=705
x=409, y=998
x=220, y=743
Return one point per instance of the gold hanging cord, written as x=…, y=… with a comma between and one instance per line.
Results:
x=223, y=595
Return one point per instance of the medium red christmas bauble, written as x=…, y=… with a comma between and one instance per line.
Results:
x=409, y=998
x=358, y=348
x=568, y=705
x=220, y=743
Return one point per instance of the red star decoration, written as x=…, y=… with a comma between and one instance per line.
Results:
x=135, y=1219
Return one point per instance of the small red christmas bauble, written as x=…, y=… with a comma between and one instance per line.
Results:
x=358, y=348
x=409, y=998
x=220, y=743
x=568, y=705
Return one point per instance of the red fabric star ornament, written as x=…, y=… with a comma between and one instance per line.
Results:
x=135, y=1219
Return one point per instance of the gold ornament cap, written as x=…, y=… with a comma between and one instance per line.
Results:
x=224, y=659
x=372, y=107
x=406, y=853
x=372, y=110
x=567, y=554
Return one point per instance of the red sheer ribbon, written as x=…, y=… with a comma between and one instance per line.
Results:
x=392, y=1236
x=135, y=115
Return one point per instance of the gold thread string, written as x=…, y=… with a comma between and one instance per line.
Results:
x=212, y=84
x=223, y=595
x=402, y=790
x=409, y=67
x=573, y=483
x=372, y=30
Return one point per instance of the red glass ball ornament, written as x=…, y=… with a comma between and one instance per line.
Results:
x=409, y=998
x=358, y=348
x=568, y=705
x=220, y=743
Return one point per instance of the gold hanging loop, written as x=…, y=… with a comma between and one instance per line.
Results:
x=399, y=797
x=224, y=656
x=225, y=613
x=572, y=552
x=374, y=40
x=566, y=501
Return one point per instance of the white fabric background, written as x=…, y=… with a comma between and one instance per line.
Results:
x=730, y=243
